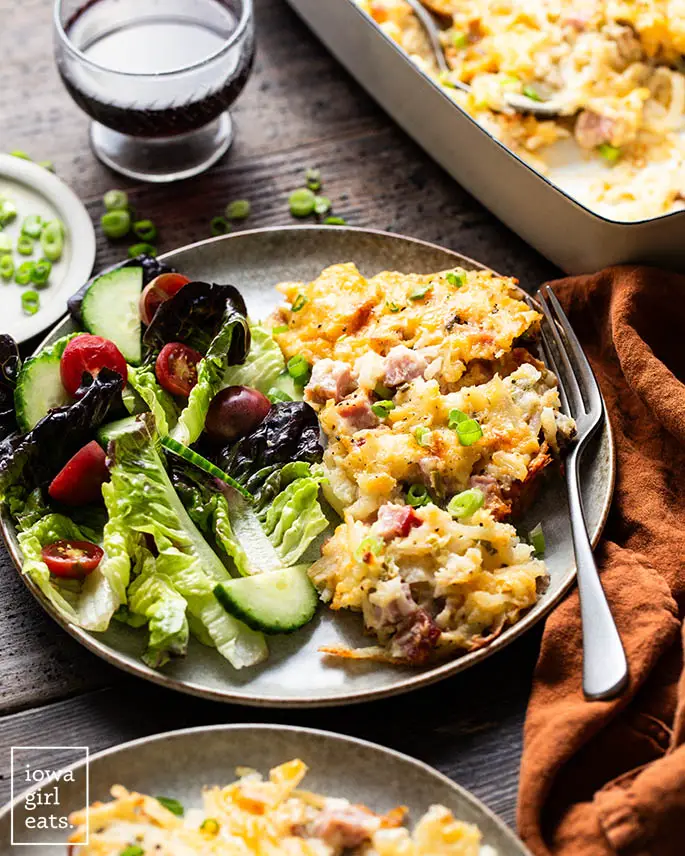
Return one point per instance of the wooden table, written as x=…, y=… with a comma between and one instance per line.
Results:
x=300, y=109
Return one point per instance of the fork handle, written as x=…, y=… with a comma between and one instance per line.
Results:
x=605, y=669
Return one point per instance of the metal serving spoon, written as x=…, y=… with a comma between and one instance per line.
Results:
x=517, y=102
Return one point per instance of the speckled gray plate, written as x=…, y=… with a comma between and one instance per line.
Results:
x=295, y=673
x=179, y=763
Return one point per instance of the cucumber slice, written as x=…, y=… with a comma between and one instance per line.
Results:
x=203, y=464
x=110, y=310
x=39, y=385
x=273, y=602
x=108, y=432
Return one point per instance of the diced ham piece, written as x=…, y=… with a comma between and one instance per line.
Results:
x=396, y=521
x=416, y=639
x=330, y=379
x=345, y=826
x=593, y=129
x=403, y=365
x=488, y=487
x=356, y=413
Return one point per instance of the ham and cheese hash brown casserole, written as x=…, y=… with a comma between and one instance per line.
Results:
x=437, y=422
x=615, y=67
x=266, y=817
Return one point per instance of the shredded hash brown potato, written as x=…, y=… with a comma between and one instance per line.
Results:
x=614, y=66
x=267, y=817
x=427, y=396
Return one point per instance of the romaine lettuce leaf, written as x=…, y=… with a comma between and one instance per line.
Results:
x=148, y=503
x=159, y=402
x=263, y=365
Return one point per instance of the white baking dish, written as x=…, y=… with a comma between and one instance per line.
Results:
x=572, y=236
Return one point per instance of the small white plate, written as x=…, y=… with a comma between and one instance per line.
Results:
x=35, y=190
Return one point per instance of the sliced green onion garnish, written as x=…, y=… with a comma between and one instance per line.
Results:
x=456, y=279
x=537, y=540
x=219, y=226
x=6, y=245
x=422, y=435
x=210, y=826
x=40, y=273
x=24, y=245
x=18, y=153
x=530, y=92
x=8, y=211
x=6, y=267
x=302, y=202
x=335, y=221
x=313, y=179
x=132, y=850
x=392, y=306
x=383, y=391
x=460, y=40
x=382, y=408
x=172, y=805
x=417, y=495
x=145, y=230
x=610, y=153
x=52, y=240
x=420, y=291
x=466, y=503
x=239, y=209
x=469, y=432
x=455, y=417
x=22, y=275
x=298, y=369
x=141, y=250
x=298, y=303
x=322, y=205
x=47, y=164
x=370, y=544
x=32, y=226
x=282, y=328
x=30, y=302
x=275, y=394
x=116, y=224
x=115, y=200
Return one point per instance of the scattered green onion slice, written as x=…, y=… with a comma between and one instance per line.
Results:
x=300, y=301
x=18, y=153
x=40, y=273
x=172, y=805
x=52, y=240
x=282, y=328
x=466, y=503
x=141, y=250
x=132, y=850
x=456, y=279
x=6, y=267
x=392, y=306
x=418, y=495
x=6, y=244
x=468, y=431
x=22, y=275
x=455, y=417
x=275, y=394
x=239, y=209
x=383, y=391
x=422, y=435
x=24, y=245
x=47, y=164
x=30, y=302
x=210, y=826
x=219, y=226
x=382, y=408
x=115, y=200
x=302, y=202
x=116, y=224
x=370, y=544
x=460, y=40
x=322, y=205
x=537, y=540
x=145, y=230
x=610, y=153
x=313, y=179
x=531, y=92
x=420, y=291
x=334, y=221
x=8, y=211
x=298, y=369
x=32, y=226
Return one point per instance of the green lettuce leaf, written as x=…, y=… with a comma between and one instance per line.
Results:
x=159, y=402
x=263, y=366
x=210, y=375
x=149, y=504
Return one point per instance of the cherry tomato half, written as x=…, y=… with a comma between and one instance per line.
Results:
x=157, y=291
x=88, y=353
x=176, y=368
x=80, y=480
x=71, y=559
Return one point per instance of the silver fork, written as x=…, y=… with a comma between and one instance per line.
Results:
x=605, y=669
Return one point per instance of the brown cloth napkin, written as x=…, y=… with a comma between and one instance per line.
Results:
x=602, y=778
